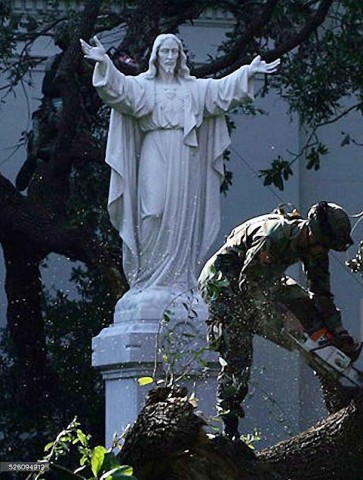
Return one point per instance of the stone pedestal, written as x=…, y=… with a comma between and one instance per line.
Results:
x=172, y=339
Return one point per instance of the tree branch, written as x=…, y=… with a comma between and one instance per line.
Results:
x=341, y=115
x=310, y=27
x=231, y=61
x=232, y=57
x=318, y=453
x=57, y=171
x=163, y=17
x=167, y=441
x=37, y=226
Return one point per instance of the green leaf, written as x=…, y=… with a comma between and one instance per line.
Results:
x=126, y=470
x=122, y=472
x=145, y=381
x=108, y=475
x=48, y=446
x=82, y=437
x=346, y=140
x=222, y=362
x=110, y=462
x=223, y=283
x=98, y=455
x=193, y=400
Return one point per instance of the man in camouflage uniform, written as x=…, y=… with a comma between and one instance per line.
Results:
x=247, y=292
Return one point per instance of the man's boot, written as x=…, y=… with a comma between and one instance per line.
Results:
x=231, y=427
x=231, y=420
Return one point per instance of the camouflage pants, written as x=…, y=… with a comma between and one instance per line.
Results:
x=235, y=317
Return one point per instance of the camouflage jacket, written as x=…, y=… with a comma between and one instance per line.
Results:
x=267, y=245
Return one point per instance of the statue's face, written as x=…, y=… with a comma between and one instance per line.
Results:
x=168, y=54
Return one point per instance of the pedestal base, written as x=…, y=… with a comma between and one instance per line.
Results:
x=158, y=303
x=128, y=350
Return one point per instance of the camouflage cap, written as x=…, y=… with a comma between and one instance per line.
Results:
x=330, y=226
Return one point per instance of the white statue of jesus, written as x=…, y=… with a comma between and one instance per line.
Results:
x=165, y=144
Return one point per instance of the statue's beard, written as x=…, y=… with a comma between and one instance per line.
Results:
x=169, y=69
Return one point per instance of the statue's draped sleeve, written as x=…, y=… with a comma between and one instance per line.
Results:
x=219, y=97
x=228, y=92
x=128, y=100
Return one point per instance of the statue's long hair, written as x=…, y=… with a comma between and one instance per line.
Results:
x=181, y=69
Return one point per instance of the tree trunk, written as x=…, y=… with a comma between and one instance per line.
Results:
x=332, y=449
x=25, y=321
x=168, y=441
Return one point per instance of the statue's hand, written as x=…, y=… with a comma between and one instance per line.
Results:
x=96, y=53
x=260, y=66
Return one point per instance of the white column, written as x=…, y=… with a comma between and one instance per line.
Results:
x=128, y=350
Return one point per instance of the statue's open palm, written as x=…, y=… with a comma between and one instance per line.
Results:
x=260, y=66
x=96, y=53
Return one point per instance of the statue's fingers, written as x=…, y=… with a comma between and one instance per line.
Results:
x=97, y=41
x=85, y=47
x=84, y=44
x=271, y=69
x=275, y=64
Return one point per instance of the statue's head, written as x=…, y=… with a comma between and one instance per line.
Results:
x=168, y=49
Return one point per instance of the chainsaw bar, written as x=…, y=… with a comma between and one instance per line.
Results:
x=331, y=360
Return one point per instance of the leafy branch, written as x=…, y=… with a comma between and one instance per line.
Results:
x=94, y=462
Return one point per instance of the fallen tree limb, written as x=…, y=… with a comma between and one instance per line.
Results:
x=168, y=441
x=331, y=449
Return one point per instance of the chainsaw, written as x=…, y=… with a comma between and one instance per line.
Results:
x=326, y=358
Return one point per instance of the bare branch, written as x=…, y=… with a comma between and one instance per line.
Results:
x=233, y=60
x=56, y=175
x=137, y=42
x=310, y=27
x=235, y=54
x=341, y=115
x=37, y=226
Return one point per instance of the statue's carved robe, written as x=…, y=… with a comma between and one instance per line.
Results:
x=165, y=147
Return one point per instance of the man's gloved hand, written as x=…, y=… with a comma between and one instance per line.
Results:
x=346, y=343
x=291, y=323
x=326, y=306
